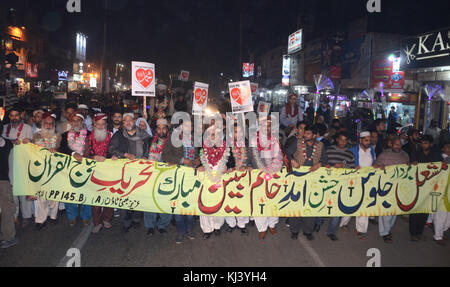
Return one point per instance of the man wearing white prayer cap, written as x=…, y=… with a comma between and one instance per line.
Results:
x=364, y=157
x=87, y=119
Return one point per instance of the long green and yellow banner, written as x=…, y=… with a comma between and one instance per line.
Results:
x=157, y=187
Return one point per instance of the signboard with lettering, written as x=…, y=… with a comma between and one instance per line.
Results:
x=295, y=42
x=286, y=73
x=143, y=79
x=428, y=50
x=63, y=75
x=32, y=70
x=382, y=71
x=248, y=70
x=200, y=98
x=241, y=97
x=144, y=185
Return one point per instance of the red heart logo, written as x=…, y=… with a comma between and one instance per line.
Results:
x=240, y=95
x=200, y=96
x=184, y=75
x=144, y=77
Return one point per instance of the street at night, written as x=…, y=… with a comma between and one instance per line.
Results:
x=247, y=134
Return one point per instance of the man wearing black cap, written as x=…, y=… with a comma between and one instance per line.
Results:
x=18, y=132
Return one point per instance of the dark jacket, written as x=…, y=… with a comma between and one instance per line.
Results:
x=411, y=149
x=4, y=155
x=172, y=154
x=433, y=156
x=119, y=145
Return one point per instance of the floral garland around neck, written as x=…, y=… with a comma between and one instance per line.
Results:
x=304, y=151
x=214, y=161
x=47, y=143
x=156, y=148
x=99, y=148
x=240, y=156
x=275, y=163
x=188, y=149
x=19, y=131
x=77, y=141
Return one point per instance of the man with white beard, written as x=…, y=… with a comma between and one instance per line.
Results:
x=48, y=138
x=97, y=149
x=73, y=143
x=37, y=120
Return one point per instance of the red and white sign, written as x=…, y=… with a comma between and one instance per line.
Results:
x=32, y=70
x=382, y=71
x=264, y=107
x=248, y=70
x=295, y=42
x=254, y=87
x=143, y=79
x=200, y=98
x=241, y=97
x=184, y=76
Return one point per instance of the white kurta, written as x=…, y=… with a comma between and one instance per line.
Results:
x=262, y=223
x=211, y=223
x=237, y=221
x=362, y=223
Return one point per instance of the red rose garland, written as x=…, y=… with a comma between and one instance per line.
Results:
x=8, y=131
x=96, y=148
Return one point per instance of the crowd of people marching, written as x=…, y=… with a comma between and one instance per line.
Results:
x=82, y=132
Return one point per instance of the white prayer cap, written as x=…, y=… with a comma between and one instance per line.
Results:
x=128, y=115
x=38, y=112
x=162, y=122
x=82, y=106
x=79, y=115
x=364, y=134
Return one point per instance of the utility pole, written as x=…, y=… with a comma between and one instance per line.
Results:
x=103, y=79
x=2, y=45
x=241, y=19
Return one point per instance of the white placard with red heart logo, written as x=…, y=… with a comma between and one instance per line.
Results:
x=264, y=107
x=200, y=98
x=184, y=76
x=143, y=79
x=254, y=87
x=241, y=97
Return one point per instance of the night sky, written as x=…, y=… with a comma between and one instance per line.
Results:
x=202, y=36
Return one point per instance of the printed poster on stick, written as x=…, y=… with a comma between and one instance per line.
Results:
x=143, y=79
x=264, y=107
x=200, y=98
x=241, y=97
x=184, y=76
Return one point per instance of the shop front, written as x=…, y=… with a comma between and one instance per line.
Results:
x=427, y=57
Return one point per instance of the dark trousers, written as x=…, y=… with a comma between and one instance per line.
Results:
x=100, y=214
x=185, y=223
x=417, y=223
x=302, y=223
x=129, y=216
